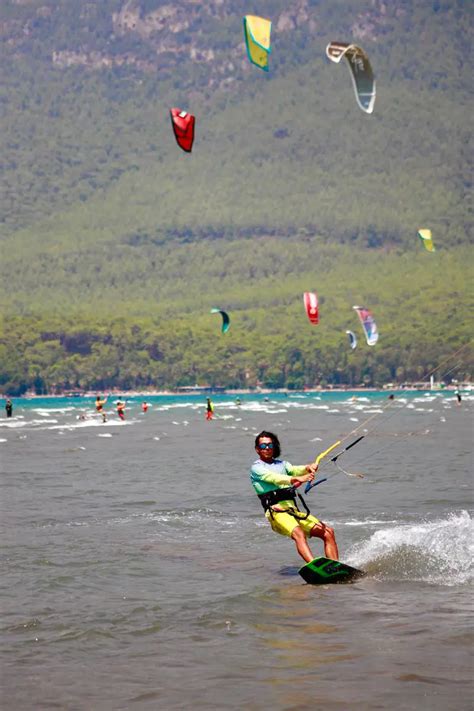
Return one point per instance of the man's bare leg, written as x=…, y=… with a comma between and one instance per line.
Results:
x=326, y=533
x=302, y=544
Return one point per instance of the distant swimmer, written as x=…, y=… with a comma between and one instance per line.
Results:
x=144, y=406
x=391, y=396
x=209, y=409
x=120, y=409
x=99, y=406
x=9, y=407
x=275, y=482
x=238, y=401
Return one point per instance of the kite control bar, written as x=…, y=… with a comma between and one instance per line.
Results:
x=311, y=485
x=334, y=459
x=321, y=456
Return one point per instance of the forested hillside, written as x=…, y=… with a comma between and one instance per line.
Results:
x=116, y=244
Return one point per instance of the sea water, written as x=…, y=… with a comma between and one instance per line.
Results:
x=138, y=570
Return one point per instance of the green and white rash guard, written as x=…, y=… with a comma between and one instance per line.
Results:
x=272, y=476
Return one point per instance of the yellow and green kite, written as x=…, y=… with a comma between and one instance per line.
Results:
x=425, y=236
x=257, y=38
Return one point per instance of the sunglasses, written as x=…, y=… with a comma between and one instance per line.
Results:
x=266, y=445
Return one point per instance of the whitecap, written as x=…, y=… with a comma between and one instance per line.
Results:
x=47, y=410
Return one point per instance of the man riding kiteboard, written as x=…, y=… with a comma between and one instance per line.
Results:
x=276, y=482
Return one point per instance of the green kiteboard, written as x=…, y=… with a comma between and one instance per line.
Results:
x=323, y=571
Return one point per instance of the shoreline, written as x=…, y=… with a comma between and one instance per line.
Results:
x=412, y=387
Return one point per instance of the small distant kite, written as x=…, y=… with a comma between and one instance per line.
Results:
x=425, y=236
x=368, y=324
x=225, y=319
x=361, y=72
x=257, y=39
x=311, y=305
x=183, y=127
x=352, y=339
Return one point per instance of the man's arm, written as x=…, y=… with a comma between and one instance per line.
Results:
x=270, y=476
x=295, y=475
x=301, y=474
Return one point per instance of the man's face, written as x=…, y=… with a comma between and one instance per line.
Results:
x=265, y=449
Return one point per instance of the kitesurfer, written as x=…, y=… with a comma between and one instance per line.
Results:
x=99, y=406
x=458, y=397
x=144, y=406
x=120, y=409
x=9, y=407
x=209, y=409
x=275, y=482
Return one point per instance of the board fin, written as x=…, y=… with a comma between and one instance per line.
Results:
x=323, y=571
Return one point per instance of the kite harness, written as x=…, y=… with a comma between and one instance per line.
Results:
x=271, y=498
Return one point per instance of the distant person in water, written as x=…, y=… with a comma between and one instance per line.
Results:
x=144, y=406
x=458, y=396
x=209, y=409
x=99, y=406
x=391, y=396
x=275, y=481
x=120, y=409
x=9, y=407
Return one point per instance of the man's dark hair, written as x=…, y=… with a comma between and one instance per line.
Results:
x=275, y=440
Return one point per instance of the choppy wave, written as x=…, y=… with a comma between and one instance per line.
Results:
x=91, y=423
x=16, y=423
x=438, y=552
x=45, y=411
x=62, y=417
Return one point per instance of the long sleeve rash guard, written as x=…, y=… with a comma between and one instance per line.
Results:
x=277, y=475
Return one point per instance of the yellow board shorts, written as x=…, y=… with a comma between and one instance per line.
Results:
x=285, y=523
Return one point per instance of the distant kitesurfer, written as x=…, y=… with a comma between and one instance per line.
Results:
x=99, y=406
x=275, y=482
x=456, y=392
x=144, y=406
x=209, y=409
x=9, y=407
x=120, y=409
